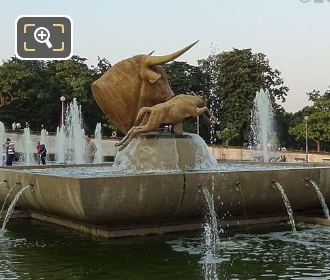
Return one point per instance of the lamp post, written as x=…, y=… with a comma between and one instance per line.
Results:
x=306, y=136
x=62, y=98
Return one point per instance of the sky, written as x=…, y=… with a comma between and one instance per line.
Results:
x=294, y=34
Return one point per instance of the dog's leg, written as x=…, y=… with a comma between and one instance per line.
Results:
x=125, y=137
x=205, y=111
x=178, y=128
x=138, y=130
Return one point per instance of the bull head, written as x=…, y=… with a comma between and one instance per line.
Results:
x=131, y=84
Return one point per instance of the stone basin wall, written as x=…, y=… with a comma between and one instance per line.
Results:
x=164, y=199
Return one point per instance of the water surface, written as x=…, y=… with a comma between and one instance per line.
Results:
x=33, y=250
x=103, y=171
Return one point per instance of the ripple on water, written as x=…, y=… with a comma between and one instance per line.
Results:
x=31, y=250
x=305, y=255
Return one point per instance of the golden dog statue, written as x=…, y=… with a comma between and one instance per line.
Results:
x=170, y=112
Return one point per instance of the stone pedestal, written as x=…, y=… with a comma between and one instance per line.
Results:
x=165, y=151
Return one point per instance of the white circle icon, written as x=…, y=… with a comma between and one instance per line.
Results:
x=42, y=35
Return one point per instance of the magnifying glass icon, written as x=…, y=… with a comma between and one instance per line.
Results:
x=41, y=35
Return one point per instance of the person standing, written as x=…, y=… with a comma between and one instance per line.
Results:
x=38, y=147
x=90, y=150
x=10, y=152
x=43, y=154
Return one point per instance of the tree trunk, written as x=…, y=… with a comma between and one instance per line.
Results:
x=318, y=145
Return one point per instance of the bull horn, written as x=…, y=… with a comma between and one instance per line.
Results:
x=151, y=52
x=156, y=60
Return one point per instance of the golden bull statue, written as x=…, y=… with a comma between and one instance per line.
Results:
x=131, y=84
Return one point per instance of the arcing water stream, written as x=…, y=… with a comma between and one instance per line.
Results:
x=287, y=205
x=12, y=206
x=321, y=198
x=210, y=237
x=5, y=201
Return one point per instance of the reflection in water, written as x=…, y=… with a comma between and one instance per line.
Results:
x=33, y=250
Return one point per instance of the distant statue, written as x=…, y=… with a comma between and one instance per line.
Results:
x=171, y=112
x=131, y=84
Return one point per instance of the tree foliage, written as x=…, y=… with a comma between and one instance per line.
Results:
x=236, y=77
x=185, y=78
x=318, y=122
x=30, y=91
x=227, y=134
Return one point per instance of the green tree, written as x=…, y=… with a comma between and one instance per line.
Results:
x=30, y=91
x=21, y=80
x=23, y=90
x=227, y=134
x=318, y=119
x=236, y=77
x=184, y=77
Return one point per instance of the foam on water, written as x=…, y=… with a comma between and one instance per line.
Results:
x=275, y=255
x=31, y=250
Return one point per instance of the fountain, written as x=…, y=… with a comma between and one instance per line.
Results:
x=28, y=147
x=153, y=185
x=60, y=145
x=174, y=152
x=70, y=137
x=98, y=143
x=75, y=133
x=262, y=126
x=2, y=141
